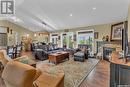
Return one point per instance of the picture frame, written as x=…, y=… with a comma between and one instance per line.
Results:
x=96, y=35
x=116, y=31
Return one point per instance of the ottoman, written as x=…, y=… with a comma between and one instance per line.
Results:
x=79, y=56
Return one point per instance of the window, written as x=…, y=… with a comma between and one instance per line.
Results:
x=54, y=38
x=67, y=40
x=3, y=39
x=3, y=36
x=86, y=37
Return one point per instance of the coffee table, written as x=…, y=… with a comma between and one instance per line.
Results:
x=58, y=57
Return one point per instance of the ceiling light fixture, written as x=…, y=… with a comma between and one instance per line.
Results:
x=71, y=15
x=35, y=35
x=94, y=8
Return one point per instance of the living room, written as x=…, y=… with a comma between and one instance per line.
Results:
x=64, y=43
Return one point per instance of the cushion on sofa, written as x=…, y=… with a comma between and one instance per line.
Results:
x=79, y=54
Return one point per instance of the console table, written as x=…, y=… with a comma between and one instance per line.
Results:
x=119, y=71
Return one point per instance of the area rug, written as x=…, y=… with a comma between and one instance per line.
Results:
x=75, y=72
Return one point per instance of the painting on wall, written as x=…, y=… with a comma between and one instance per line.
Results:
x=95, y=35
x=116, y=31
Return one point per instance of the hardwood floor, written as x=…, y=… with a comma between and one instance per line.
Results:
x=99, y=77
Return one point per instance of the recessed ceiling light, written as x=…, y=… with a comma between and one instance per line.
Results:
x=94, y=8
x=71, y=15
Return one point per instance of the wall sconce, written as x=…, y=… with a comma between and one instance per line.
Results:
x=35, y=35
x=27, y=35
x=11, y=31
x=7, y=29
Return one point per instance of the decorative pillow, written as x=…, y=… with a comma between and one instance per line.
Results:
x=52, y=47
x=25, y=61
x=45, y=48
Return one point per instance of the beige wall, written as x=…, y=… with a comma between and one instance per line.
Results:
x=41, y=37
x=129, y=24
x=16, y=29
x=103, y=30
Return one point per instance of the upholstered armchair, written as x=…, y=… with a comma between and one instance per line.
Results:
x=82, y=53
x=16, y=74
x=84, y=49
x=4, y=58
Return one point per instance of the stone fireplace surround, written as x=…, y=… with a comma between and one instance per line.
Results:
x=104, y=48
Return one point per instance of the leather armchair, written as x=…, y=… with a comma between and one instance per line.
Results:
x=16, y=74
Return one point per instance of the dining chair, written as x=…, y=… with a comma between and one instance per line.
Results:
x=10, y=51
x=18, y=51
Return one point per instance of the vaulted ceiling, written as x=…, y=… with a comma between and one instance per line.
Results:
x=66, y=14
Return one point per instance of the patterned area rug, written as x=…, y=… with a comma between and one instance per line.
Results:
x=75, y=72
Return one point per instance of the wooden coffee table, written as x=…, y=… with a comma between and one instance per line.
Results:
x=58, y=57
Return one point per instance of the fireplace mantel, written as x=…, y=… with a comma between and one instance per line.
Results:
x=110, y=45
x=101, y=44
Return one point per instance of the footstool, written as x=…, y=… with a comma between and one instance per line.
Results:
x=79, y=56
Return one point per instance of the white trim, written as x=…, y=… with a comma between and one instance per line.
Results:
x=61, y=39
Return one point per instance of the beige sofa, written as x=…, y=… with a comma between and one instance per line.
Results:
x=16, y=74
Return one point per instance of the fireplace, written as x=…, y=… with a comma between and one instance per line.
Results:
x=107, y=52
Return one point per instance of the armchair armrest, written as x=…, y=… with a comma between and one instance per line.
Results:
x=38, y=73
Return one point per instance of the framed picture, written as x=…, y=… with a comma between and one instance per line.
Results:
x=116, y=31
x=95, y=35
